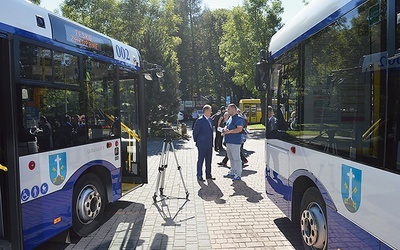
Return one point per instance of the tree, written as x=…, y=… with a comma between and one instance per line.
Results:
x=188, y=50
x=100, y=15
x=215, y=81
x=247, y=31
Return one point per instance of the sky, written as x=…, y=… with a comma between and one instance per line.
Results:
x=291, y=6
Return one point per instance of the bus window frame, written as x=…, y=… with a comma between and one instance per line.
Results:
x=52, y=83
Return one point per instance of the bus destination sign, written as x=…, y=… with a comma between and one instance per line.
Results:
x=83, y=38
x=73, y=34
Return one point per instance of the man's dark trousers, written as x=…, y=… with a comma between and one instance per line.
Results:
x=218, y=140
x=204, y=154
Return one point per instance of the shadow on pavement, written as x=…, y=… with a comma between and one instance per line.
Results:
x=291, y=232
x=122, y=216
x=164, y=210
x=241, y=188
x=160, y=241
x=246, y=172
x=210, y=192
x=129, y=214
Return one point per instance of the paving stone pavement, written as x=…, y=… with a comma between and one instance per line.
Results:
x=219, y=214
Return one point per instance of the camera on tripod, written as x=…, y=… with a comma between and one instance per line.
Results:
x=170, y=133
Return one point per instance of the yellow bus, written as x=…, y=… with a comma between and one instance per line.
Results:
x=252, y=107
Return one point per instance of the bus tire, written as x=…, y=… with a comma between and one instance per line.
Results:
x=88, y=204
x=313, y=223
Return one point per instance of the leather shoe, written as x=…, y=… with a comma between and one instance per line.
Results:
x=200, y=179
x=222, y=164
x=210, y=178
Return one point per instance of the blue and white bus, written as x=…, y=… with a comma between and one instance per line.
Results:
x=72, y=124
x=333, y=163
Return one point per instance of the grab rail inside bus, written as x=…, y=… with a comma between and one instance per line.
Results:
x=124, y=127
x=3, y=168
x=371, y=129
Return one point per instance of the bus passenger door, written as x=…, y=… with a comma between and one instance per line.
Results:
x=133, y=132
x=254, y=116
x=250, y=116
x=246, y=108
x=10, y=205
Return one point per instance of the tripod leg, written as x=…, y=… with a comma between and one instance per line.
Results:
x=160, y=170
x=165, y=168
x=180, y=171
x=326, y=147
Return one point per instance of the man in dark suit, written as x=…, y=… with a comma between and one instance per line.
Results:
x=203, y=136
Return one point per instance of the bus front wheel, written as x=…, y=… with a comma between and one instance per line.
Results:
x=88, y=204
x=313, y=224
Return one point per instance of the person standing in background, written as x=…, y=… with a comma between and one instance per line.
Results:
x=224, y=162
x=272, y=124
x=233, y=140
x=203, y=136
x=194, y=117
x=217, y=120
x=45, y=135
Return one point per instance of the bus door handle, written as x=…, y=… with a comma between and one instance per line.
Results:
x=3, y=168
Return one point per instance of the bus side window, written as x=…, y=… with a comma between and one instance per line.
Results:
x=101, y=83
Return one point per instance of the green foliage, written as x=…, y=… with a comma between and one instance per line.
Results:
x=37, y=2
x=188, y=51
x=99, y=15
x=247, y=31
x=214, y=80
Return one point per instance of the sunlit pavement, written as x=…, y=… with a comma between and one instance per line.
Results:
x=219, y=214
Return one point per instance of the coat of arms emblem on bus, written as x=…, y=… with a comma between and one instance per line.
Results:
x=58, y=168
x=351, y=187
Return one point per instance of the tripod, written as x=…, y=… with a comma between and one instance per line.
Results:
x=330, y=145
x=167, y=144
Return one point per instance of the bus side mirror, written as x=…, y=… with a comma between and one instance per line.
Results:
x=262, y=75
